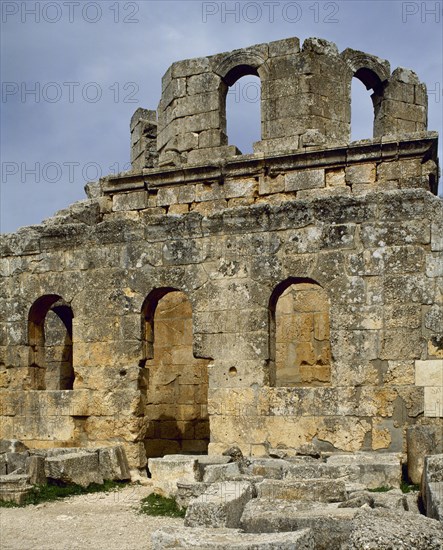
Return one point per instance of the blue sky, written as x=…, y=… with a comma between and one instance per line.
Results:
x=74, y=72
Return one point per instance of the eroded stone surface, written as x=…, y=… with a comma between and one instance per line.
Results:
x=221, y=505
x=204, y=539
x=383, y=530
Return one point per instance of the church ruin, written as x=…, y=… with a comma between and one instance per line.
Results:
x=286, y=299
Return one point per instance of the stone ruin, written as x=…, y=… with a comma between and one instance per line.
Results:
x=288, y=301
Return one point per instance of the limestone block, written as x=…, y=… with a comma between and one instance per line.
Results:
x=135, y=200
x=221, y=505
x=221, y=539
x=268, y=468
x=80, y=468
x=35, y=467
x=167, y=196
x=432, y=486
x=304, y=179
x=374, y=469
x=330, y=526
x=167, y=471
x=221, y=472
x=429, y=373
x=385, y=529
x=113, y=463
x=317, y=490
x=14, y=488
x=433, y=402
x=434, y=500
x=239, y=188
x=16, y=462
x=189, y=491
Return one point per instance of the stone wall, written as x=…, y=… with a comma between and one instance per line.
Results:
x=305, y=99
x=359, y=222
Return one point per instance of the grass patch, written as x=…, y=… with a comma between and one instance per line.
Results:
x=408, y=487
x=156, y=505
x=383, y=489
x=56, y=491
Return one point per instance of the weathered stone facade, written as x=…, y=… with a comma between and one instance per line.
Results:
x=291, y=298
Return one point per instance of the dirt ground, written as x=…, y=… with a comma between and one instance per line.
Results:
x=91, y=522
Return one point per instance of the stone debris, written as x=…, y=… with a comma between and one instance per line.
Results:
x=388, y=529
x=81, y=466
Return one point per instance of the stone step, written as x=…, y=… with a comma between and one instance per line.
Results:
x=232, y=539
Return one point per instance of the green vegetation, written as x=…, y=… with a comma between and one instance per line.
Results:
x=407, y=488
x=380, y=490
x=55, y=491
x=156, y=505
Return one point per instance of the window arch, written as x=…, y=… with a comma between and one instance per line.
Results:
x=363, y=114
x=240, y=102
x=175, y=381
x=243, y=112
x=50, y=344
x=300, y=351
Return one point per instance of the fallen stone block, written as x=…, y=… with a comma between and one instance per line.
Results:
x=320, y=490
x=78, y=468
x=329, y=524
x=210, y=460
x=221, y=472
x=434, y=500
x=221, y=505
x=232, y=539
x=113, y=463
x=188, y=491
x=167, y=471
x=269, y=468
x=35, y=468
x=432, y=486
x=370, y=469
x=307, y=470
x=421, y=441
x=389, y=529
x=394, y=500
x=3, y=471
x=14, y=488
x=16, y=461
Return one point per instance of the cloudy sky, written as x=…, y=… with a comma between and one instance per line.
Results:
x=74, y=72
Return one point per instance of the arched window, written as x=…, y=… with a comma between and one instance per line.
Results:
x=243, y=107
x=364, y=109
x=50, y=342
x=300, y=351
x=176, y=381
